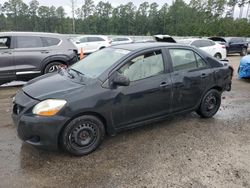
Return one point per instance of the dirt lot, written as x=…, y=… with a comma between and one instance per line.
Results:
x=183, y=151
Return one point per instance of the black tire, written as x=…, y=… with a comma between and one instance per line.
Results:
x=243, y=52
x=210, y=104
x=52, y=67
x=218, y=56
x=82, y=135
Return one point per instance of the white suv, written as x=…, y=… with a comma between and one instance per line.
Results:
x=91, y=43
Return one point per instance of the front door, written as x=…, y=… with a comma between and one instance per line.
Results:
x=149, y=93
x=29, y=54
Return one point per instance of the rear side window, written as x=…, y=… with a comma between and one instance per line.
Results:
x=5, y=42
x=206, y=43
x=29, y=42
x=196, y=43
x=184, y=59
x=49, y=41
x=84, y=39
x=95, y=39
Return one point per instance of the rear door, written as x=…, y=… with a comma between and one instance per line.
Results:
x=190, y=75
x=29, y=54
x=7, y=67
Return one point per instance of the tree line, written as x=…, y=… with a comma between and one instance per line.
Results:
x=196, y=18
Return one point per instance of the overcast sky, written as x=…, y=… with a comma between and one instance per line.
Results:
x=67, y=3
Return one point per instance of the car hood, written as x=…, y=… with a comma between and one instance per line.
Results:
x=50, y=86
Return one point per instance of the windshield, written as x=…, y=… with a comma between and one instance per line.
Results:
x=95, y=64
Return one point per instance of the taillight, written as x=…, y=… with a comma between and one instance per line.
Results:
x=223, y=46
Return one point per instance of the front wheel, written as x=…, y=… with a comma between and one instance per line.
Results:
x=82, y=135
x=53, y=67
x=210, y=104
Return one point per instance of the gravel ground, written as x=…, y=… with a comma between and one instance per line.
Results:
x=183, y=151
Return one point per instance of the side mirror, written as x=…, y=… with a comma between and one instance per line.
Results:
x=121, y=80
x=78, y=42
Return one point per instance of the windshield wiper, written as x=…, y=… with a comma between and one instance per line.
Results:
x=78, y=72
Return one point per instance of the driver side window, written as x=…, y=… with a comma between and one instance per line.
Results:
x=144, y=66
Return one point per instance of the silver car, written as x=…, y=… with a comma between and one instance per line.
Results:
x=25, y=55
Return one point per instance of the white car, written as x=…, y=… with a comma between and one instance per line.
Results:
x=91, y=43
x=214, y=49
x=121, y=40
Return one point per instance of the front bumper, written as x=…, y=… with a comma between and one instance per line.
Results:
x=39, y=131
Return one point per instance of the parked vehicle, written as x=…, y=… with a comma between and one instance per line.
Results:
x=244, y=67
x=121, y=40
x=248, y=46
x=25, y=55
x=91, y=43
x=209, y=46
x=118, y=88
x=233, y=44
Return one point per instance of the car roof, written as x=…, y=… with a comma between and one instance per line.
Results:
x=13, y=33
x=146, y=45
x=80, y=36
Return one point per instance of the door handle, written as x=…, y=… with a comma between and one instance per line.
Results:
x=44, y=52
x=164, y=84
x=6, y=53
x=204, y=75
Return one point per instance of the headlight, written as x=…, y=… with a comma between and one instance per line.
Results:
x=49, y=107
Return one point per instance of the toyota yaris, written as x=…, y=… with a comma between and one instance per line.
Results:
x=118, y=88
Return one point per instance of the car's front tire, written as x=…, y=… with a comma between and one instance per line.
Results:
x=210, y=104
x=82, y=135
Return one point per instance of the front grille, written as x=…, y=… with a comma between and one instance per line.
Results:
x=17, y=109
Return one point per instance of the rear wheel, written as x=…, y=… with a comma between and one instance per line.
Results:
x=210, y=104
x=217, y=56
x=243, y=52
x=53, y=67
x=82, y=135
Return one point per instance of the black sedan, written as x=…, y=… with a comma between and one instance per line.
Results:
x=118, y=88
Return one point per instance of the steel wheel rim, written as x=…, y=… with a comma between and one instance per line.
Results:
x=211, y=103
x=83, y=136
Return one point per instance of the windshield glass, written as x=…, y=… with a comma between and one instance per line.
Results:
x=95, y=64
